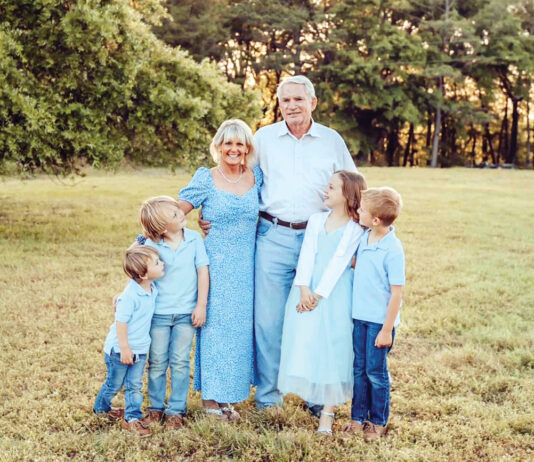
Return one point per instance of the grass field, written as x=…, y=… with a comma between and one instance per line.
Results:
x=462, y=365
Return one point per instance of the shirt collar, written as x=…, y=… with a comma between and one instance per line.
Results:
x=384, y=243
x=136, y=288
x=187, y=237
x=313, y=131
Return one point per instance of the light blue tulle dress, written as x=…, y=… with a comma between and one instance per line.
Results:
x=224, y=367
x=317, y=355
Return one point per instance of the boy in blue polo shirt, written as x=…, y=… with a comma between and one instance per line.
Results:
x=377, y=294
x=128, y=339
x=180, y=306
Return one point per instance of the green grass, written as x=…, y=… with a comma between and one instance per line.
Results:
x=462, y=365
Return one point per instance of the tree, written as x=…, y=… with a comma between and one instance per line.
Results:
x=89, y=82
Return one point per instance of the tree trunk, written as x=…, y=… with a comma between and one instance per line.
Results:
x=503, y=133
x=528, y=132
x=408, y=146
x=393, y=143
x=487, y=134
x=437, y=129
x=512, y=152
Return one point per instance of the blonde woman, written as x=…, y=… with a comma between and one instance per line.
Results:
x=229, y=197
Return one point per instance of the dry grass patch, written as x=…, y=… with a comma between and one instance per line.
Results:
x=462, y=366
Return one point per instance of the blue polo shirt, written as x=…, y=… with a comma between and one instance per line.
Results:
x=378, y=266
x=135, y=307
x=177, y=289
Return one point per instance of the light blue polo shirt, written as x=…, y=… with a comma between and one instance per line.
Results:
x=378, y=266
x=177, y=289
x=135, y=307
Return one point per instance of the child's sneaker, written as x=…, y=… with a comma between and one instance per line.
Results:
x=114, y=414
x=152, y=416
x=136, y=426
x=373, y=432
x=353, y=427
x=174, y=422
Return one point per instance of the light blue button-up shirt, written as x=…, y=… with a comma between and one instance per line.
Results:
x=177, y=289
x=135, y=307
x=378, y=266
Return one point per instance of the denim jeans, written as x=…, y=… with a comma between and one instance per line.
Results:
x=371, y=377
x=277, y=253
x=118, y=374
x=172, y=335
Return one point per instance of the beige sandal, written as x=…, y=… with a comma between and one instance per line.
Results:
x=231, y=414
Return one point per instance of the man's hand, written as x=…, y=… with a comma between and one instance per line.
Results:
x=383, y=339
x=198, y=316
x=204, y=224
x=126, y=355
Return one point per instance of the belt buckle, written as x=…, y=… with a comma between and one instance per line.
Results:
x=291, y=225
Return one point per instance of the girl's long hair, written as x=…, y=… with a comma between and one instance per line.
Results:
x=353, y=185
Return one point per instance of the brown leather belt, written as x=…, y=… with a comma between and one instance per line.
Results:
x=287, y=224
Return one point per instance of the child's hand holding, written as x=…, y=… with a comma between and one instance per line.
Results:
x=383, y=339
x=198, y=316
x=126, y=355
x=307, y=301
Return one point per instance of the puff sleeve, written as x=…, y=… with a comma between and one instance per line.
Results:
x=198, y=188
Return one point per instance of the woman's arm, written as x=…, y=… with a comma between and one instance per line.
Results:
x=185, y=206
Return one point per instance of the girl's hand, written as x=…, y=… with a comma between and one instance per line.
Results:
x=307, y=300
x=383, y=339
x=126, y=355
x=198, y=316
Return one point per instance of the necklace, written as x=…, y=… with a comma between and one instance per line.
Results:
x=227, y=179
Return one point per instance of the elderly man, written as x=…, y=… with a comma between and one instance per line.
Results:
x=297, y=157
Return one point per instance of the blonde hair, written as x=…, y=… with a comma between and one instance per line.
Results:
x=233, y=129
x=154, y=215
x=136, y=258
x=383, y=203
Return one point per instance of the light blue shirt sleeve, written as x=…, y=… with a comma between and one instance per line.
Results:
x=125, y=309
x=198, y=188
x=394, y=264
x=201, y=257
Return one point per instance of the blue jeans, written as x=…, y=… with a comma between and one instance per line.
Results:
x=277, y=253
x=172, y=335
x=129, y=375
x=371, y=377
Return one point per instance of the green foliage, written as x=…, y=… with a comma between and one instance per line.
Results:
x=88, y=82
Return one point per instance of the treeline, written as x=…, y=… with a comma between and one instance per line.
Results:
x=407, y=82
x=88, y=82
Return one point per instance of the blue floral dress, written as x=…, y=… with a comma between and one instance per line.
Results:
x=224, y=351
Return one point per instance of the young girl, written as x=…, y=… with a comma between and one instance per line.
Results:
x=317, y=355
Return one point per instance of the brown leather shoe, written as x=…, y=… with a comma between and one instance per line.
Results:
x=174, y=422
x=353, y=427
x=137, y=427
x=152, y=416
x=372, y=432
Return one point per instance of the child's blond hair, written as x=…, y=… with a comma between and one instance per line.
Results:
x=136, y=258
x=155, y=215
x=383, y=203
